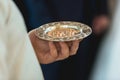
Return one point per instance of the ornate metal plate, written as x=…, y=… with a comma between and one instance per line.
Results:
x=63, y=31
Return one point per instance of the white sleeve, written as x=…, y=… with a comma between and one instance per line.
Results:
x=3, y=52
x=17, y=57
x=3, y=41
x=3, y=65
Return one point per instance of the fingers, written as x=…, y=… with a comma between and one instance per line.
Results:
x=64, y=52
x=53, y=50
x=74, y=47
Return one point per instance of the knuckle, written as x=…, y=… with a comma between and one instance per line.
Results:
x=73, y=53
x=65, y=56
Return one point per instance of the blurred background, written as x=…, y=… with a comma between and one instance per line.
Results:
x=95, y=13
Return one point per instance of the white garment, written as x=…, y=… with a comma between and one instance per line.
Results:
x=107, y=66
x=17, y=57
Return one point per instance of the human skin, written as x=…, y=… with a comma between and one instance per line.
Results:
x=100, y=24
x=49, y=52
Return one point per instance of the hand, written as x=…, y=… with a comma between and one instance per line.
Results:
x=48, y=52
x=100, y=24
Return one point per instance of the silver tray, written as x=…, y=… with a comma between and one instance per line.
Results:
x=63, y=31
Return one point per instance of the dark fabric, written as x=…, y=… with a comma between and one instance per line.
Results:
x=38, y=12
x=94, y=8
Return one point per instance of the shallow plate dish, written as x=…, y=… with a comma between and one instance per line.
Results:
x=63, y=31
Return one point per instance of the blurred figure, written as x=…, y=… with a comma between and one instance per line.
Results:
x=107, y=66
x=91, y=12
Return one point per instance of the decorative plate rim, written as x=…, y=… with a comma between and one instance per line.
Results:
x=39, y=32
